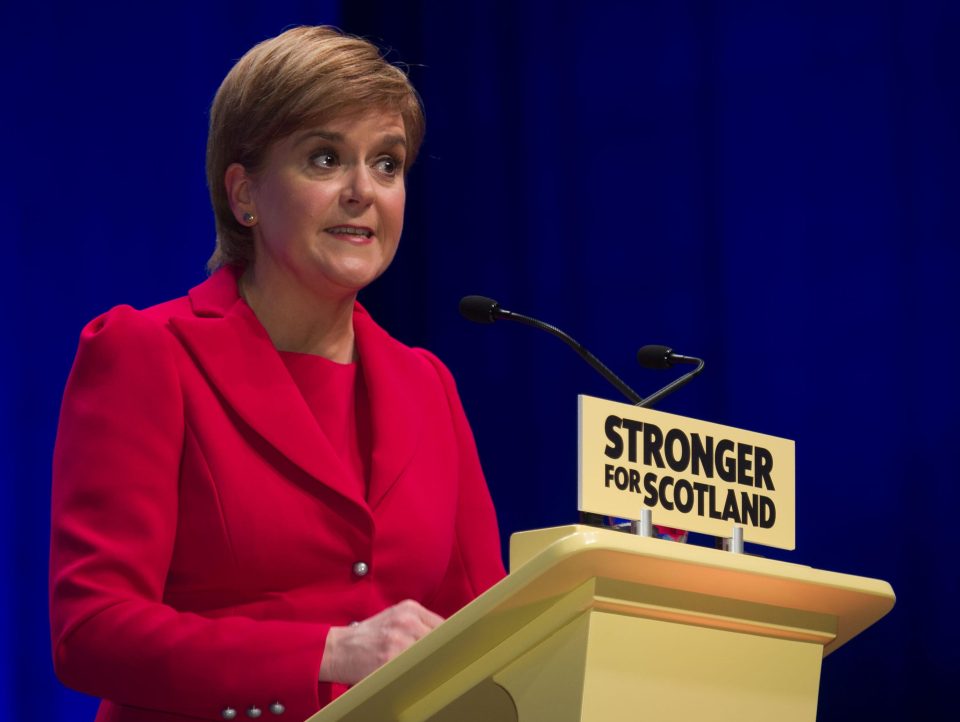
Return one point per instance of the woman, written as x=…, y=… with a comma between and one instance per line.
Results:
x=259, y=496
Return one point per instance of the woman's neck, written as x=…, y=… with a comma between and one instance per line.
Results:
x=298, y=320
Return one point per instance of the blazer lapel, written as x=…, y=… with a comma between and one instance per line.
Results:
x=394, y=376
x=233, y=349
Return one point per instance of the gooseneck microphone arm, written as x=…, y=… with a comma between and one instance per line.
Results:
x=662, y=357
x=596, y=363
x=480, y=309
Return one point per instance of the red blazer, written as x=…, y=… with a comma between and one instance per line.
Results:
x=205, y=533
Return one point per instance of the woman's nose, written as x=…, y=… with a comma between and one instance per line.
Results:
x=359, y=188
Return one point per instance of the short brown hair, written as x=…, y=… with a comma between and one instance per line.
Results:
x=304, y=76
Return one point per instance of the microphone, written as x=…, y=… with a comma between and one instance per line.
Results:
x=663, y=357
x=480, y=309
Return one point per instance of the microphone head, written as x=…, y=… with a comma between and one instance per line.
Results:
x=479, y=309
x=654, y=357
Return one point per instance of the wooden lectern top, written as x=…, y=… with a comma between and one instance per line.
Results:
x=559, y=573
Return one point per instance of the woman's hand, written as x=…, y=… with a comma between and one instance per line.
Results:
x=353, y=652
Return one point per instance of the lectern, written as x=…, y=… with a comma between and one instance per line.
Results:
x=595, y=624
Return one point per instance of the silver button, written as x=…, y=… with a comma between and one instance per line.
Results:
x=277, y=708
x=228, y=713
x=253, y=712
x=360, y=569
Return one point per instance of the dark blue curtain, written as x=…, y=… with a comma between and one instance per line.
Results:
x=772, y=186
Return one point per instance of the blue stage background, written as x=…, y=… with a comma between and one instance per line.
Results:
x=771, y=185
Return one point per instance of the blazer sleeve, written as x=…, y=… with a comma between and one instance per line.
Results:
x=114, y=521
x=476, y=562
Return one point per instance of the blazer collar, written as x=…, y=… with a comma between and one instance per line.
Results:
x=394, y=376
x=234, y=350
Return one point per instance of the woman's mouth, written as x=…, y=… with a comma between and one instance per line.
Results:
x=353, y=232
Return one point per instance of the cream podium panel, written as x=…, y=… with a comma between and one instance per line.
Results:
x=593, y=623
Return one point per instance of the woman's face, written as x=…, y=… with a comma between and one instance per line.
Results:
x=329, y=204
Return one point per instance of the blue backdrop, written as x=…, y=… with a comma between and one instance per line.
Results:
x=771, y=185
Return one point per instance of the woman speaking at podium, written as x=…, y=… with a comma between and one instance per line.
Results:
x=259, y=496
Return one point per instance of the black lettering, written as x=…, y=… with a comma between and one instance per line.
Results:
x=744, y=464
x=633, y=427
x=749, y=511
x=614, y=449
x=634, y=480
x=607, y=474
x=683, y=488
x=652, y=441
x=677, y=463
x=768, y=512
x=726, y=468
x=665, y=482
x=650, y=486
x=702, y=456
x=764, y=467
x=620, y=479
x=714, y=512
x=701, y=489
x=730, y=511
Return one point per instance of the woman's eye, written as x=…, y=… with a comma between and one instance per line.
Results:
x=324, y=159
x=388, y=166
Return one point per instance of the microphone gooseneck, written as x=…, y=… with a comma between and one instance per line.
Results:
x=480, y=309
x=663, y=357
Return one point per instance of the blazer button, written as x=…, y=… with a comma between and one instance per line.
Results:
x=277, y=708
x=253, y=712
x=360, y=569
x=228, y=713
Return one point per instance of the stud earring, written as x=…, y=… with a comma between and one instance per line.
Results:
x=249, y=218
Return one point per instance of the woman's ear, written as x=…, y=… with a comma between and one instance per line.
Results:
x=237, y=182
